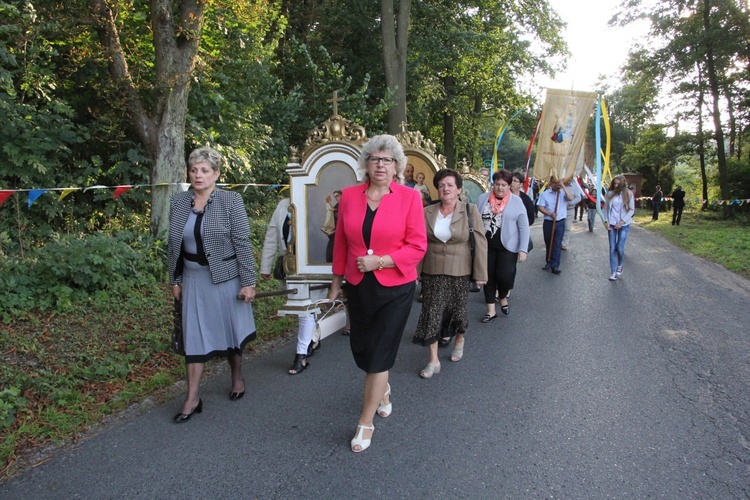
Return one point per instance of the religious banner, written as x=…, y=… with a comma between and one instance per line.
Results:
x=562, y=132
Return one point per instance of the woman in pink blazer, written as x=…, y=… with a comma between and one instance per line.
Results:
x=380, y=239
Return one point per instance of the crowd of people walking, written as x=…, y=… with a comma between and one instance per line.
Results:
x=387, y=239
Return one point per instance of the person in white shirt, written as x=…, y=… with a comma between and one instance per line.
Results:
x=553, y=203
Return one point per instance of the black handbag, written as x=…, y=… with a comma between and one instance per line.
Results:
x=278, y=268
x=178, y=341
x=473, y=287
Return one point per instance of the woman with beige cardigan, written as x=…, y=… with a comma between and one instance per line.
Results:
x=447, y=268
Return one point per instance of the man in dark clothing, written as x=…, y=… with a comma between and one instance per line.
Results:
x=656, y=201
x=678, y=203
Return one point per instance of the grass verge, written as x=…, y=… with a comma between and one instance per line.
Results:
x=706, y=234
x=63, y=374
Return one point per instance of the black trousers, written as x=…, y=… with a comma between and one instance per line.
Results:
x=676, y=215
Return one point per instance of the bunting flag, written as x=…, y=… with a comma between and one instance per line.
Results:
x=4, y=195
x=120, y=190
x=66, y=192
x=737, y=201
x=35, y=193
x=565, y=118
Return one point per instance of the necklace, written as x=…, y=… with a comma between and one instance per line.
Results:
x=373, y=199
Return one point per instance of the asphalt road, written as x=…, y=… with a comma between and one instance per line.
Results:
x=588, y=389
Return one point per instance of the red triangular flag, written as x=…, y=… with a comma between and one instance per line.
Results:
x=4, y=195
x=120, y=190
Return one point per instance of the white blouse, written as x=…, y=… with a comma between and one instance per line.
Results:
x=443, y=227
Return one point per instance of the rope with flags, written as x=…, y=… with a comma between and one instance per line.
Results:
x=35, y=193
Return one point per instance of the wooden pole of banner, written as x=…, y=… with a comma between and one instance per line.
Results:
x=552, y=234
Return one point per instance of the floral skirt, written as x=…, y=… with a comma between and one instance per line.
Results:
x=444, y=300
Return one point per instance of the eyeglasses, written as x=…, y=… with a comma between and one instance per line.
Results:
x=376, y=159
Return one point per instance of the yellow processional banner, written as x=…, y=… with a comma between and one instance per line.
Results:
x=562, y=133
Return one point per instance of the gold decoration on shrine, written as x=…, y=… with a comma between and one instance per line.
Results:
x=465, y=165
x=335, y=128
x=293, y=154
x=415, y=140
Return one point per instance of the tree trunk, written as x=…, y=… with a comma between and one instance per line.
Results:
x=702, y=139
x=176, y=28
x=168, y=162
x=473, y=145
x=714, y=85
x=732, y=123
x=395, y=34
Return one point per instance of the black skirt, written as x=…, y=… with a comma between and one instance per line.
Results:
x=377, y=316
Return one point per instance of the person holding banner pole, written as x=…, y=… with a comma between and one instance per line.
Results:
x=555, y=211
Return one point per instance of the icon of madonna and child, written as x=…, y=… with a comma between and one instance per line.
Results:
x=329, y=225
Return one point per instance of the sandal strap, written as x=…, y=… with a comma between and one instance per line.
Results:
x=299, y=363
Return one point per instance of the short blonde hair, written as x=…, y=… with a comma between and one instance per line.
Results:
x=206, y=155
x=387, y=143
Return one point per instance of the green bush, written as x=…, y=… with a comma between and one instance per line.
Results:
x=71, y=269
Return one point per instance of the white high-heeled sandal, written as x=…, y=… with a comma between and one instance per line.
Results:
x=359, y=441
x=458, y=352
x=384, y=410
x=430, y=370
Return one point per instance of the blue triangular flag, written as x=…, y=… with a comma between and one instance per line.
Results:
x=34, y=194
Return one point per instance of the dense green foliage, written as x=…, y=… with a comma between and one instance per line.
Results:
x=72, y=269
x=696, y=71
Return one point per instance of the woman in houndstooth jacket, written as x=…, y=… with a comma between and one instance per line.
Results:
x=211, y=264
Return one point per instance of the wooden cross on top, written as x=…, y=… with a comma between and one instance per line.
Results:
x=335, y=100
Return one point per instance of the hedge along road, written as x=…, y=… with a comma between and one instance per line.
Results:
x=588, y=389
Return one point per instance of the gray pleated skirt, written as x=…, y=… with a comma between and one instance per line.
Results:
x=214, y=322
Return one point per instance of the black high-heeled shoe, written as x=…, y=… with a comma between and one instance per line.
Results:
x=299, y=365
x=184, y=417
x=234, y=396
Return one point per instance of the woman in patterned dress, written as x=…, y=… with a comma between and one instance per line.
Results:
x=211, y=265
x=447, y=268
